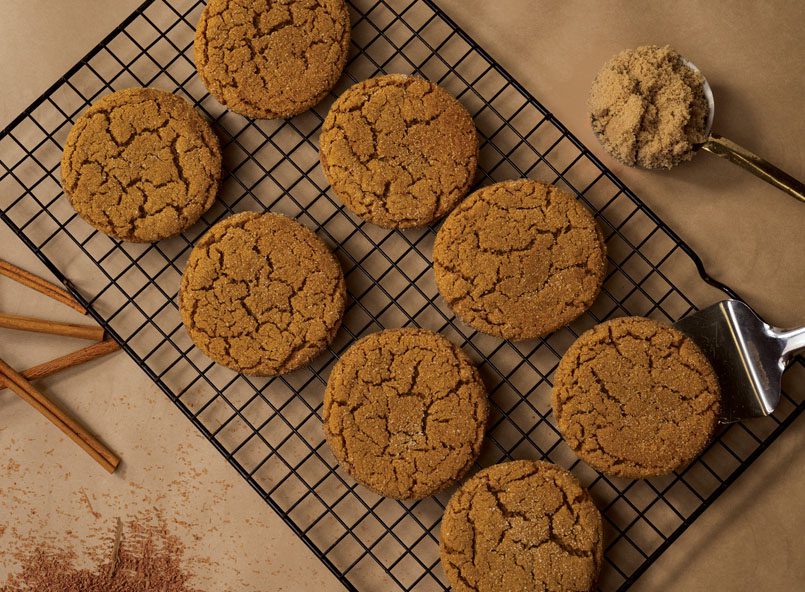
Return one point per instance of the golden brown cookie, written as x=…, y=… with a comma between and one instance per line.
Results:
x=522, y=526
x=141, y=165
x=636, y=398
x=271, y=58
x=399, y=151
x=519, y=259
x=262, y=294
x=405, y=412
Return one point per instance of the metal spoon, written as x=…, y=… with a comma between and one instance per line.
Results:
x=724, y=148
x=748, y=355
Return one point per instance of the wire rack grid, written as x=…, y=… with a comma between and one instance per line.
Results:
x=269, y=429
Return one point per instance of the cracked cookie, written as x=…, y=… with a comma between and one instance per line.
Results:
x=271, y=58
x=522, y=526
x=405, y=412
x=399, y=151
x=519, y=259
x=262, y=294
x=636, y=398
x=141, y=165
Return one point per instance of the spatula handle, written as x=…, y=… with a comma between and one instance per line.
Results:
x=793, y=342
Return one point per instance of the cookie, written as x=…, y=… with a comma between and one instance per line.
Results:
x=271, y=58
x=522, y=526
x=399, y=151
x=262, y=294
x=141, y=165
x=636, y=398
x=405, y=412
x=519, y=259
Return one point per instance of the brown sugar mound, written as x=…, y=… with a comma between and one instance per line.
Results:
x=271, y=58
x=636, y=398
x=648, y=107
x=399, y=151
x=262, y=294
x=405, y=412
x=141, y=165
x=522, y=526
x=519, y=259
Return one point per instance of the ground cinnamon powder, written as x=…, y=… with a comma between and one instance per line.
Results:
x=648, y=107
x=142, y=556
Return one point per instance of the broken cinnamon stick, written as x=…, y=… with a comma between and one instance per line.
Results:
x=82, y=356
x=19, y=323
x=105, y=457
x=39, y=284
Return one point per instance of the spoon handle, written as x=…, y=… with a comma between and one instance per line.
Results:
x=728, y=149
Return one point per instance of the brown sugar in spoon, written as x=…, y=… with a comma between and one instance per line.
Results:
x=629, y=112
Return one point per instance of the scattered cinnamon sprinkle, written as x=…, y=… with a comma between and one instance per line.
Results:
x=40, y=539
x=85, y=499
x=143, y=556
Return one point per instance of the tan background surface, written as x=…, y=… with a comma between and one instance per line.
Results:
x=748, y=234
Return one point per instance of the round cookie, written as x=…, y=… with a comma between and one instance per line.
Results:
x=141, y=165
x=405, y=412
x=271, y=58
x=399, y=151
x=262, y=294
x=519, y=259
x=521, y=526
x=635, y=398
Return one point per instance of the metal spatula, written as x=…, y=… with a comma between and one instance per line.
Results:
x=748, y=355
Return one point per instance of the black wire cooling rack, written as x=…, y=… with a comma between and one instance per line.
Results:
x=270, y=430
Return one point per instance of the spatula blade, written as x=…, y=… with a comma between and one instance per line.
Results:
x=745, y=354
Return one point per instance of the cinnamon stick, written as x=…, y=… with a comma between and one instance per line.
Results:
x=89, y=332
x=105, y=457
x=40, y=285
x=82, y=356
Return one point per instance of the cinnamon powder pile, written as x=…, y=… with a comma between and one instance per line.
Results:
x=648, y=107
x=142, y=556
